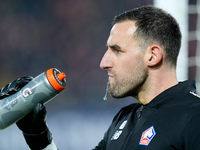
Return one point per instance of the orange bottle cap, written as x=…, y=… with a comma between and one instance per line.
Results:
x=56, y=79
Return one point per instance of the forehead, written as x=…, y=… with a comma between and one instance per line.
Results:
x=122, y=33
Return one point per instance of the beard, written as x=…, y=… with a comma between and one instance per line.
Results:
x=129, y=85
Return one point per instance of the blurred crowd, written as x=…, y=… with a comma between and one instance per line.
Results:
x=66, y=34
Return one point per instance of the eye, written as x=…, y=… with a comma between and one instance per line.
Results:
x=117, y=51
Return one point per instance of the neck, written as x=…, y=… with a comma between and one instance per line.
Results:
x=156, y=83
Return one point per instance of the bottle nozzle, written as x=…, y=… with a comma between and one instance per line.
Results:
x=61, y=76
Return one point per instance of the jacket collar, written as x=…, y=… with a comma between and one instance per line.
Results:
x=170, y=94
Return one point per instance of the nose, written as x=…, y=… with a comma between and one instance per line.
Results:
x=106, y=61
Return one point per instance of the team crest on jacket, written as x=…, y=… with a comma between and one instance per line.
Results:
x=147, y=136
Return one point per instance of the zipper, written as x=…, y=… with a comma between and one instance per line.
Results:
x=139, y=114
x=140, y=111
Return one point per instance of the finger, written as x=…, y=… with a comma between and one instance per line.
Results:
x=12, y=87
x=23, y=81
x=4, y=92
x=39, y=113
x=5, y=88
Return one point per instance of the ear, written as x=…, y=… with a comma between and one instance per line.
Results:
x=154, y=56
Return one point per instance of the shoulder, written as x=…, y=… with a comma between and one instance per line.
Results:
x=189, y=104
x=191, y=124
x=191, y=111
x=129, y=108
x=125, y=111
x=192, y=100
x=195, y=95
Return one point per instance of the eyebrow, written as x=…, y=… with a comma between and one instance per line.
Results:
x=114, y=46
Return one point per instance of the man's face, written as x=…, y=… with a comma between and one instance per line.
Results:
x=124, y=61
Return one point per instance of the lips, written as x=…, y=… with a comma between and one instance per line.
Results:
x=110, y=75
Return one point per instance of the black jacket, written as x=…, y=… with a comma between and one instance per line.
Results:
x=171, y=121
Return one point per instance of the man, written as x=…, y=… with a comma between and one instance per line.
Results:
x=141, y=58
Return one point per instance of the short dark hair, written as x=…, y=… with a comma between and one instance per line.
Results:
x=154, y=25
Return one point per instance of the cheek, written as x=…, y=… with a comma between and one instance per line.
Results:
x=129, y=64
x=124, y=70
x=133, y=67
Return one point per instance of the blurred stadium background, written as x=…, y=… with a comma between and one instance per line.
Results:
x=71, y=35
